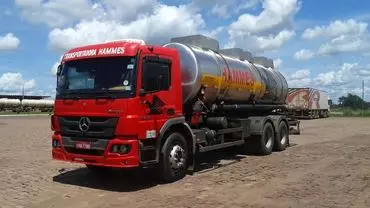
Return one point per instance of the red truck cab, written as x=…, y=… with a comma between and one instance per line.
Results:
x=113, y=100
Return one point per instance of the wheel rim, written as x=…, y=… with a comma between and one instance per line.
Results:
x=177, y=158
x=284, y=136
x=268, y=138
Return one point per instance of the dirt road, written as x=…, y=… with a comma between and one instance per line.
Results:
x=327, y=166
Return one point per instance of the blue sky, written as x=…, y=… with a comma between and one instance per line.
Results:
x=321, y=44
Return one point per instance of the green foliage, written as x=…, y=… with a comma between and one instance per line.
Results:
x=353, y=102
x=348, y=112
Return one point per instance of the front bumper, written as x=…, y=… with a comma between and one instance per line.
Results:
x=108, y=159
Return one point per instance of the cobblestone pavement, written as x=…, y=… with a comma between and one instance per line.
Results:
x=327, y=166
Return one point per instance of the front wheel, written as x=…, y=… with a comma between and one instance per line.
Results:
x=174, y=158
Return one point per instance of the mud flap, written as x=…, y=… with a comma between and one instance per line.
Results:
x=191, y=167
x=294, y=126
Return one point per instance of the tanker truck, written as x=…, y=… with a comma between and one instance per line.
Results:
x=127, y=104
x=29, y=105
x=9, y=104
x=26, y=105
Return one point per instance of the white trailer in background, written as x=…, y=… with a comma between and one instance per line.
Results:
x=26, y=105
x=37, y=105
x=7, y=104
x=308, y=103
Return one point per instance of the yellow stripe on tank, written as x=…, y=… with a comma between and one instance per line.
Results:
x=214, y=81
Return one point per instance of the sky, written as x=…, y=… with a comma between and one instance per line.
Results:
x=314, y=43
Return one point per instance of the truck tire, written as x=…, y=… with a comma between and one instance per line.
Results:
x=174, y=158
x=264, y=143
x=282, y=137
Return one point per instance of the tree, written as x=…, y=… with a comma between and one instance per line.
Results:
x=352, y=101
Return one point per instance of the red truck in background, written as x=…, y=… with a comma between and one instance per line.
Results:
x=125, y=104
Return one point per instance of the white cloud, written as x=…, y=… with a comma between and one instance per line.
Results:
x=335, y=29
x=347, y=74
x=336, y=82
x=277, y=14
x=344, y=36
x=249, y=4
x=221, y=11
x=9, y=42
x=156, y=27
x=267, y=31
x=300, y=78
x=300, y=74
x=213, y=33
x=343, y=44
x=303, y=55
x=224, y=9
x=54, y=69
x=347, y=79
x=233, y=6
x=262, y=43
x=278, y=63
x=13, y=83
x=59, y=13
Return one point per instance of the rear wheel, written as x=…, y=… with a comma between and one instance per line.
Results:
x=264, y=143
x=282, y=138
x=174, y=158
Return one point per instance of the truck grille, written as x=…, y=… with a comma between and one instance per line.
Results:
x=98, y=127
x=84, y=152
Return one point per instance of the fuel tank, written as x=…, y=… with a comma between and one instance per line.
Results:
x=227, y=78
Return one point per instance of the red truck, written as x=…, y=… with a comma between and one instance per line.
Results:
x=125, y=104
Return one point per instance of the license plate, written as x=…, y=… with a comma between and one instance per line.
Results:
x=83, y=145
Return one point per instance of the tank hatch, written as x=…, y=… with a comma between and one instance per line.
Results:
x=237, y=53
x=266, y=62
x=199, y=41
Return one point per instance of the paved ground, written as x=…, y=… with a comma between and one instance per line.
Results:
x=327, y=166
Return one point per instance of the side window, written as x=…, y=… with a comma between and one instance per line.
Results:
x=156, y=75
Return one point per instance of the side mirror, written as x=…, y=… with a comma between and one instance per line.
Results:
x=59, y=69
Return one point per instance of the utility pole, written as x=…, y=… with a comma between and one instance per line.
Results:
x=363, y=90
x=363, y=96
x=23, y=91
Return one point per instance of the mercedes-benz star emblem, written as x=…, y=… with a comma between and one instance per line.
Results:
x=84, y=124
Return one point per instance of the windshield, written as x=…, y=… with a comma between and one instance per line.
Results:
x=112, y=75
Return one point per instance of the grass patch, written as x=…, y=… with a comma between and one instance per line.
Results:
x=347, y=112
